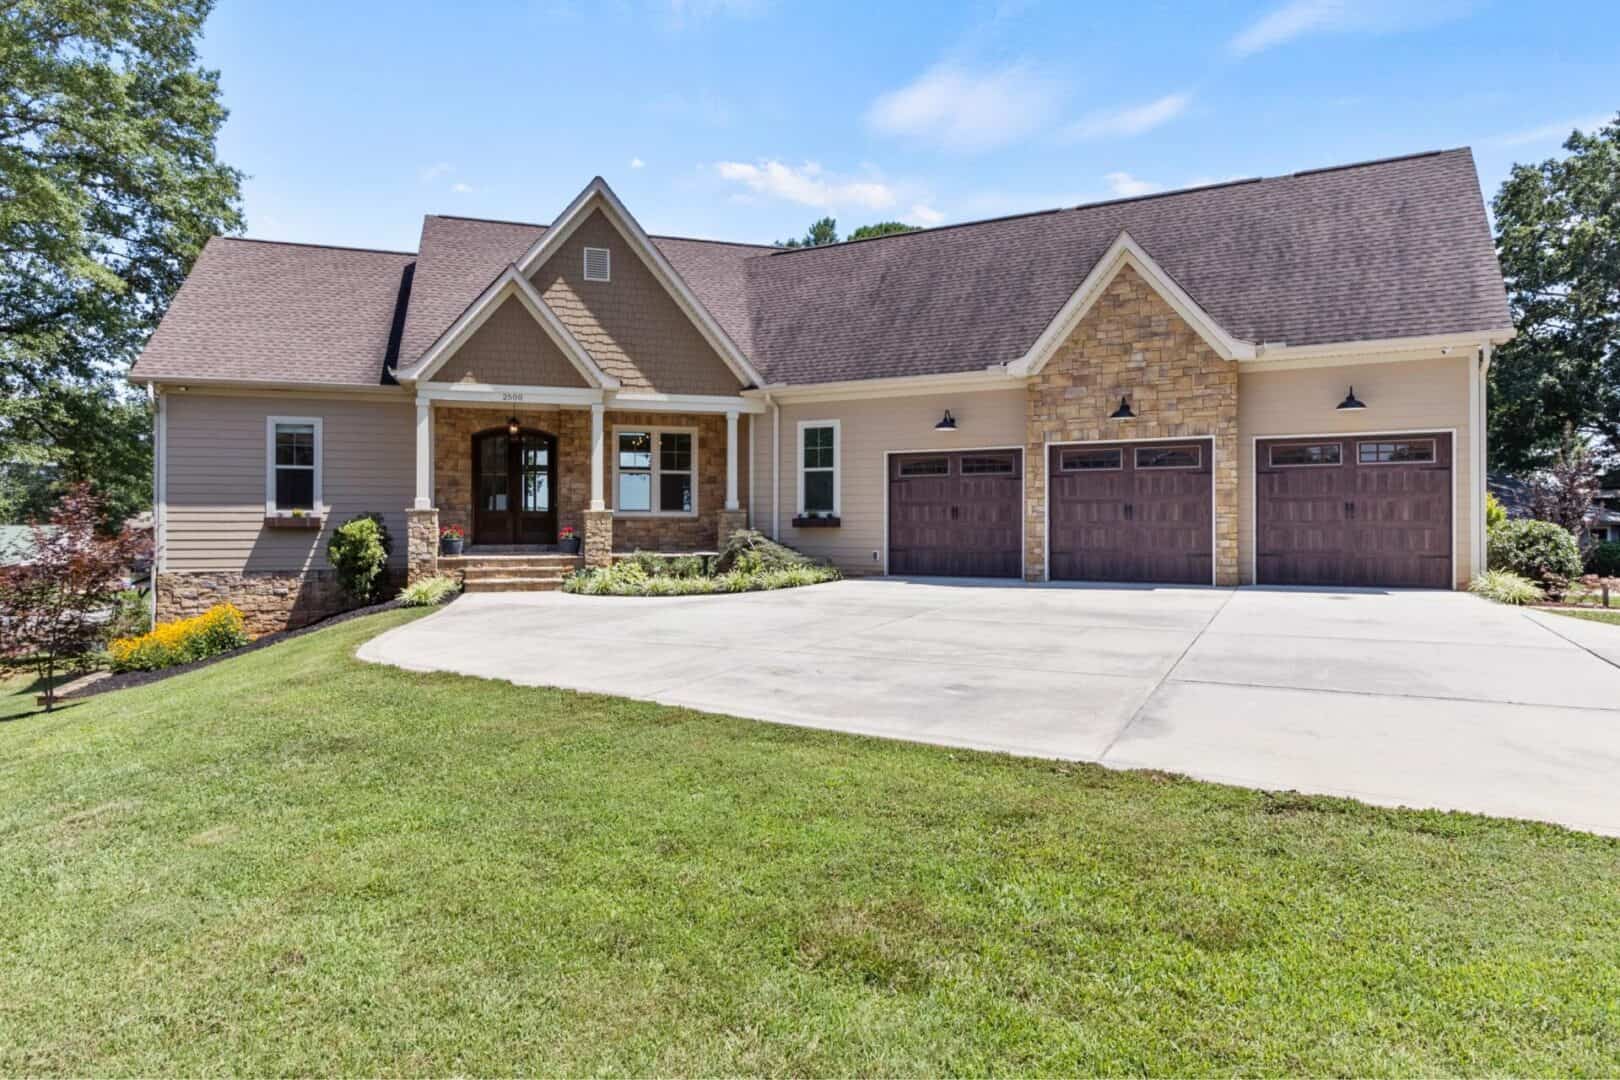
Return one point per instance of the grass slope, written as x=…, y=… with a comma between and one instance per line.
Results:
x=294, y=863
x=1610, y=617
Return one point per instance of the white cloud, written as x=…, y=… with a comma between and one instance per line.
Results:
x=682, y=11
x=807, y=184
x=1125, y=185
x=923, y=214
x=637, y=163
x=461, y=189
x=1547, y=133
x=967, y=110
x=1131, y=120
x=429, y=173
x=1299, y=18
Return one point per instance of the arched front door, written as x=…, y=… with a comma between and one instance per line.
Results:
x=515, y=498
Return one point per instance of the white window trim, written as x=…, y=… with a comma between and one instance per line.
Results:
x=837, y=465
x=270, y=422
x=607, y=261
x=656, y=471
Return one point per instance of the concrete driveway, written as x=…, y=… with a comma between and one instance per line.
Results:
x=1404, y=698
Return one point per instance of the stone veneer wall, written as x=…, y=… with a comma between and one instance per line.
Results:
x=1133, y=343
x=454, y=427
x=268, y=601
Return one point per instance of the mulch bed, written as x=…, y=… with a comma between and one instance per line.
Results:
x=141, y=678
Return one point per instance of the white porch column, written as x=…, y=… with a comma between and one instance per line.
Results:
x=424, y=455
x=598, y=500
x=731, y=461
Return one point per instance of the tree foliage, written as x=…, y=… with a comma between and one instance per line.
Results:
x=1558, y=240
x=1563, y=491
x=77, y=431
x=825, y=232
x=109, y=187
x=883, y=228
x=52, y=607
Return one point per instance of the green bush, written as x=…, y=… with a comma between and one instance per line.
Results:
x=628, y=577
x=1505, y=587
x=766, y=553
x=358, y=552
x=1537, y=550
x=1495, y=513
x=1604, y=559
x=132, y=617
x=429, y=591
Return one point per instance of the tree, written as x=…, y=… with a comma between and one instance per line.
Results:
x=883, y=228
x=820, y=233
x=1562, y=493
x=1558, y=240
x=109, y=187
x=52, y=608
x=78, y=431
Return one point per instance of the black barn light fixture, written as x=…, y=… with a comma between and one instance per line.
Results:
x=1351, y=401
x=1123, y=412
x=946, y=422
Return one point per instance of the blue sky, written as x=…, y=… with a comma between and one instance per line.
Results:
x=747, y=119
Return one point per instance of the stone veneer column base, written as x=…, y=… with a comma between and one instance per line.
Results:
x=269, y=600
x=422, y=545
x=598, y=544
x=731, y=521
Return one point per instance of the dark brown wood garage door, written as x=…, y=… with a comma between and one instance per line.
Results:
x=956, y=514
x=1131, y=512
x=1362, y=510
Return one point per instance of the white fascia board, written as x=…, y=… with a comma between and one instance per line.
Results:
x=900, y=386
x=509, y=284
x=596, y=195
x=497, y=394
x=174, y=384
x=691, y=403
x=1283, y=357
x=1125, y=251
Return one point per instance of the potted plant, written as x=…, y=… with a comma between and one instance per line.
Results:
x=567, y=540
x=450, y=539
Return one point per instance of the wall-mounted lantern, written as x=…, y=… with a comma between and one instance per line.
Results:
x=1351, y=401
x=512, y=426
x=946, y=422
x=1123, y=412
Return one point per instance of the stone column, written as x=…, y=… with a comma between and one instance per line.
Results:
x=422, y=544
x=598, y=544
x=731, y=521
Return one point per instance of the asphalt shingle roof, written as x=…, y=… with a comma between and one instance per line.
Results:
x=1385, y=249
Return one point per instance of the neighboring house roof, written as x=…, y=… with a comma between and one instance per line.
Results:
x=256, y=311
x=1387, y=249
x=1517, y=498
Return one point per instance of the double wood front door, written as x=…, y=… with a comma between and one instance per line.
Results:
x=514, y=487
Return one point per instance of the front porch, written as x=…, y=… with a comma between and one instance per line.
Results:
x=539, y=488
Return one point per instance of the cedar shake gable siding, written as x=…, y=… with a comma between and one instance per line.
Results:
x=510, y=349
x=630, y=325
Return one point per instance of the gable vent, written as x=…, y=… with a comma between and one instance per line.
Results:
x=598, y=264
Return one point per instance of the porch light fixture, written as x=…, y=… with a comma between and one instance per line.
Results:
x=512, y=426
x=1123, y=412
x=946, y=422
x=1351, y=401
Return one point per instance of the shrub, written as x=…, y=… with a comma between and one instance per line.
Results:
x=1505, y=587
x=1495, y=513
x=1604, y=559
x=180, y=641
x=1537, y=550
x=132, y=617
x=359, y=551
x=429, y=591
x=629, y=578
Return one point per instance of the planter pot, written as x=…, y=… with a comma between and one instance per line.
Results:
x=570, y=545
x=450, y=545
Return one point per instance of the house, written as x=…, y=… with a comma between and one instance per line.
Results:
x=1602, y=522
x=1275, y=381
x=18, y=543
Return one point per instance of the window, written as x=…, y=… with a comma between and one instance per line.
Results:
x=1168, y=457
x=598, y=264
x=987, y=465
x=654, y=471
x=819, y=484
x=1307, y=454
x=1395, y=452
x=292, y=479
x=933, y=466
x=1082, y=460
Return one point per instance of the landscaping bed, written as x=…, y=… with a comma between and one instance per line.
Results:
x=749, y=562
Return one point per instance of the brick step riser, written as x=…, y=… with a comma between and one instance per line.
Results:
x=513, y=585
x=516, y=566
x=513, y=575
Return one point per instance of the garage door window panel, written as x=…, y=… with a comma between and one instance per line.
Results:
x=1306, y=455
x=1396, y=452
x=1168, y=457
x=1111, y=459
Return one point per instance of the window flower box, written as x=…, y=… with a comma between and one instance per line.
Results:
x=817, y=521
x=293, y=521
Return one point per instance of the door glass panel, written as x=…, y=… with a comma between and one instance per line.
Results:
x=1307, y=454
x=1167, y=457
x=492, y=473
x=534, y=459
x=1082, y=460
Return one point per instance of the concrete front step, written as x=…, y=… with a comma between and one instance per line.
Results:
x=511, y=584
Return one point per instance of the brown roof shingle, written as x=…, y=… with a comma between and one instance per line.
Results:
x=1394, y=248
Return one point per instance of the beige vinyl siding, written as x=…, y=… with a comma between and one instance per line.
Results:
x=216, y=478
x=1411, y=395
x=870, y=428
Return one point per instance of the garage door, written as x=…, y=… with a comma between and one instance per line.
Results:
x=1132, y=512
x=1369, y=510
x=957, y=514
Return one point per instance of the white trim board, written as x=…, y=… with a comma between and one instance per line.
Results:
x=1023, y=493
x=1046, y=496
x=1254, y=488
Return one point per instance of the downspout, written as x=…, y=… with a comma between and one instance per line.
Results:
x=776, y=468
x=753, y=469
x=159, y=489
x=1482, y=453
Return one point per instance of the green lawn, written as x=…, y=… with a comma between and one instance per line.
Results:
x=1611, y=617
x=294, y=863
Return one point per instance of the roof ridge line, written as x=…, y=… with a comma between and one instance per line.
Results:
x=654, y=236
x=305, y=244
